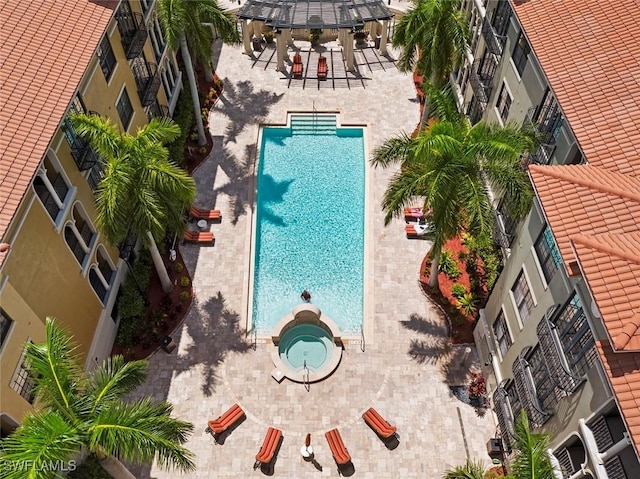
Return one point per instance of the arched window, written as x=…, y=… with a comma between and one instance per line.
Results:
x=52, y=188
x=79, y=235
x=102, y=274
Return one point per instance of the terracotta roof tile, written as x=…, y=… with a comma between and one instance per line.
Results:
x=623, y=371
x=594, y=78
x=45, y=47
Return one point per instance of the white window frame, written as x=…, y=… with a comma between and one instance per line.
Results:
x=63, y=204
x=505, y=87
x=513, y=298
x=95, y=267
x=493, y=332
x=88, y=248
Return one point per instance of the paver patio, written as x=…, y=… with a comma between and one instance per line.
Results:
x=401, y=372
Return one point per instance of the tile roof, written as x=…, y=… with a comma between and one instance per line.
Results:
x=610, y=265
x=591, y=72
x=585, y=199
x=623, y=371
x=45, y=48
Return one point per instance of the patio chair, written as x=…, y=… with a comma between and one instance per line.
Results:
x=228, y=419
x=379, y=424
x=338, y=449
x=298, y=67
x=322, y=68
x=199, y=237
x=269, y=447
x=199, y=214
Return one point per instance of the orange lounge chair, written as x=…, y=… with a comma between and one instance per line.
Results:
x=268, y=448
x=199, y=237
x=225, y=421
x=378, y=423
x=297, y=68
x=199, y=214
x=416, y=230
x=338, y=449
x=322, y=68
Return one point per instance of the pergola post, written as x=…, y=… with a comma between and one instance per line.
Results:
x=280, y=51
x=289, y=38
x=383, y=38
x=349, y=51
x=246, y=37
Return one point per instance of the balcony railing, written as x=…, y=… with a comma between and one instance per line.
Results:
x=156, y=110
x=547, y=120
x=132, y=32
x=481, y=88
x=83, y=155
x=494, y=42
x=505, y=227
x=148, y=82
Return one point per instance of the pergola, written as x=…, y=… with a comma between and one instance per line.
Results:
x=347, y=16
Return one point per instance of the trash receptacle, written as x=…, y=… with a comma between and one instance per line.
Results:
x=168, y=345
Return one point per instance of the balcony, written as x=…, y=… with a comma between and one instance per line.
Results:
x=504, y=228
x=132, y=32
x=547, y=121
x=494, y=42
x=156, y=110
x=84, y=156
x=147, y=80
x=481, y=77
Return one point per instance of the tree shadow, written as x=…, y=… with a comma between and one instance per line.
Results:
x=422, y=325
x=215, y=332
x=243, y=105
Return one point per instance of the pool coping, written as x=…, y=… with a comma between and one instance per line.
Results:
x=247, y=303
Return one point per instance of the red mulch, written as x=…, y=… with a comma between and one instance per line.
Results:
x=461, y=325
x=170, y=304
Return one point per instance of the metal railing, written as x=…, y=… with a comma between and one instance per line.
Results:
x=305, y=377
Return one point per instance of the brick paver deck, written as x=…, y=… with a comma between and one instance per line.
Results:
x=402, y=372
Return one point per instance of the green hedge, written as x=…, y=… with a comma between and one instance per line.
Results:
x=89, y=469
x=183, y=116
x=131, y=302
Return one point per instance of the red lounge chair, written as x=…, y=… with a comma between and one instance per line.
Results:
x=379, y=424
x=322, y=68
x=297, y=68
x=199, y=214
x=338, y=449
x=268, y=448
x=414, y=213
x=199, y=237
x=225, y=421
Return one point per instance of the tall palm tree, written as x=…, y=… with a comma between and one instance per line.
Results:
x=85, y=412
x=142, y=191
x=451, y=167
x=434, y=37
x=187, y=24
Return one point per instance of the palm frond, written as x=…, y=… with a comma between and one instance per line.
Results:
x=470, y=470
x=39, y=443
x=101, y=132
x=172, y=15
x=158, y=131
x=531, y=460
x=140, y=431
x=112, y=199
x=394, y=150
x=222, y=21
x=54, y=367
x=113, y=379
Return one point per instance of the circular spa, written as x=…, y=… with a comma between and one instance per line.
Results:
x=307, y=345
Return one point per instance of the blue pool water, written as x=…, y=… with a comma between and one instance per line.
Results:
x=305, y=344
x=310, y=225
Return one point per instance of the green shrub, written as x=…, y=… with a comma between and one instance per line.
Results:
x=185, y=281
x=457, y=290
x=178, y=267
x=183, y=116
x=467, y=303
x=448, y=265
x=185, y=295
x=89, y=469
x=131, y=301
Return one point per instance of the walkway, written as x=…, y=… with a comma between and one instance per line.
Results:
x=404, y=372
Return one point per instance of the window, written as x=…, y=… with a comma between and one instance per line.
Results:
x=504, y=102
x=544, y=384
x=107, y=58
x=576, y=336
x=169, y=76
x=51, y=187
x=101, y=275
x=522, y=296
x=520, y=53
x=5, y=325
x=548, y=254
x=157, y=39
x=22, y=381
x=79, y=235
x=500, y=20
x=501, y=332
x=125, y=110
x=95, y=175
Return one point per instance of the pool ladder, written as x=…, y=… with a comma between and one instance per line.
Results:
x=305, y=377
x=362, y=345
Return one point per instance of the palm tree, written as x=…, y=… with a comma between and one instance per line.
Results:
x=85, y=412
x=142, y=191
x=451, y=167
x=187, y=25
x=531, y=460
x=470, y=470
x=434, y=37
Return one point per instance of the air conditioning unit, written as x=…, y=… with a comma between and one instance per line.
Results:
x=494, y=448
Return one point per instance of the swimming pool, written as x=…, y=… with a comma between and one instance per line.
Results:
x=309, y=230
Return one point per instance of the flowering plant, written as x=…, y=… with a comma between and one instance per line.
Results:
x=477, y=386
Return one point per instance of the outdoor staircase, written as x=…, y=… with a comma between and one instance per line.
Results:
x=313, y=124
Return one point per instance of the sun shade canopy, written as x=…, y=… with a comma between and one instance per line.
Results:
x=316, y=14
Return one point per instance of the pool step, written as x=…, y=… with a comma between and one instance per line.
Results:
x=311, y=124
